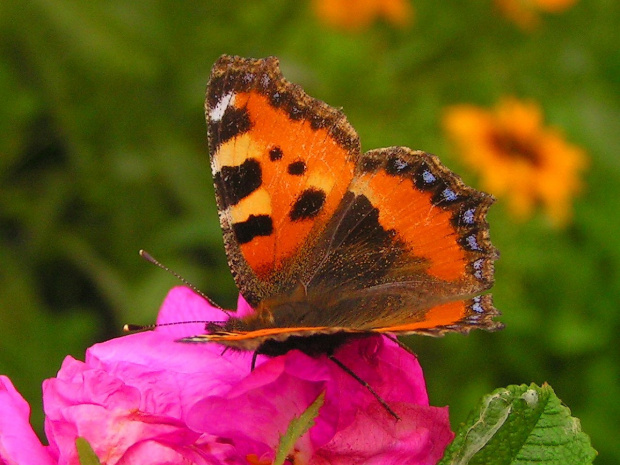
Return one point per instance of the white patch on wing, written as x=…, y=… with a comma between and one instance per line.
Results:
x=217, y=112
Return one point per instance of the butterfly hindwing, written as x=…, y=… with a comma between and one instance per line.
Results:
x=408, y=236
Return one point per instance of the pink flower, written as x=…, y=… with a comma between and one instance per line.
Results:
x=145, y=398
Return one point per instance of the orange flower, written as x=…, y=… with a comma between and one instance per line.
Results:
x=354, y=15
x=517, y=157
x=526, y=12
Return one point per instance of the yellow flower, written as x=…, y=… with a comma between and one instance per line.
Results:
x=517, y=157
x=355, y=15
x=526, y=12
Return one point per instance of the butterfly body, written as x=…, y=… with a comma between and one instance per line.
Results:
x=327, y=243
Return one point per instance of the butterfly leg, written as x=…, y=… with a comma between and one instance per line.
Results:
x=366, y=385
x=253, y=365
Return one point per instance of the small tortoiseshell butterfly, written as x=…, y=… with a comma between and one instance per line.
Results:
x=327, y=243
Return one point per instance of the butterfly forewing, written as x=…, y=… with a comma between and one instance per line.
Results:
x=282, y=161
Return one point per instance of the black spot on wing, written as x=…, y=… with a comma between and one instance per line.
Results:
x=467, y=215
x=254, y=226
x=396, y=165
x=363, y=251
x=218, y=86
x=290, y=100
x=278, y=98
x=477, y=268
x=295, y=112
x=471, y=242
x=345, y=136
x=318, y=120
x=237, y=182
x=234, y=122
x=361, y=225
x=370, y=164
x=297, y=168
x=308, y=205
x=424, y=178
x=275, y=153
x=444, y=194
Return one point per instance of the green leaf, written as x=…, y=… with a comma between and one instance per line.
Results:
x=524, y=425
x=86, y=453
x=297, y=428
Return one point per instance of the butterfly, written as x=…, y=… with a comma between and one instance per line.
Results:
x=327, y=243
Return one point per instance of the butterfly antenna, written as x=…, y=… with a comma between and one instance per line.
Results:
x=149, y=258
x=129, y=328
x=366, y=385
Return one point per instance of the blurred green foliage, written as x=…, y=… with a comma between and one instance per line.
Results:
x=103, y=152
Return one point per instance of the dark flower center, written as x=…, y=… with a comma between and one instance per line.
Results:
x=508, y=145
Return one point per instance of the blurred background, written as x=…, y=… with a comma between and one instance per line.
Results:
x=103, y=152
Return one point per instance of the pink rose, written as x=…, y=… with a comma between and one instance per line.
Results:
x=145, y=398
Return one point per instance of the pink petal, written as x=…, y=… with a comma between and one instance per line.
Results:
x=243, y=308
x=266, y=401
x=18, y=442
x=183, y=304
x=143, y=452
x=152, y=362
x=393, y=372
x=420, y=437
x=113, y=415
x=112, y=433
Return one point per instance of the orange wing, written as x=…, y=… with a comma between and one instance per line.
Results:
x=281, y=161
x=408, y=237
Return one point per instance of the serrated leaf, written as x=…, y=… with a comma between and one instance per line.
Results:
x=297, y=428
x=524, y=425
x=86, y=453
